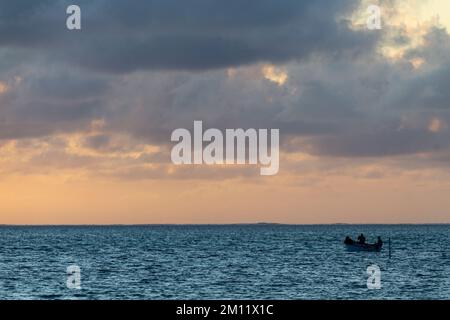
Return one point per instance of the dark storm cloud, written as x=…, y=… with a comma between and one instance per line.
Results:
x=122, y=36
x=48, y=99
x=67, y=86
x=379, y=144
x=341, y=99
x=429, y=91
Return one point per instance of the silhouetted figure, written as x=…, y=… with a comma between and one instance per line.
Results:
x=379, y=242
x=348, y=240
x=361, y=239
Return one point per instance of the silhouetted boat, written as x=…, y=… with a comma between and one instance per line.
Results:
x=363, y=246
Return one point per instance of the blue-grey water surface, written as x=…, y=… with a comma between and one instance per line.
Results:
x=223, y=262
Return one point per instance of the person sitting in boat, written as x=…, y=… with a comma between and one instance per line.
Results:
x=348, y=240
x=379, y=242
x=361, y=239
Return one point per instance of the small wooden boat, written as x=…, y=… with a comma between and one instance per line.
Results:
x=363, y=246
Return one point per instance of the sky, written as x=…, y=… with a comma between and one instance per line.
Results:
x=86, y=115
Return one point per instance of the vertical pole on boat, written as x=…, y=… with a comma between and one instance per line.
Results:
x=389, y=247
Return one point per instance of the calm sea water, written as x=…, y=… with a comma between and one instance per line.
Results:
x=222, y=262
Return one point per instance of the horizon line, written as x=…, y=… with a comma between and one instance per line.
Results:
x=221, y=224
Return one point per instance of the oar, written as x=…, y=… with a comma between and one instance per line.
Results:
x=389, y=247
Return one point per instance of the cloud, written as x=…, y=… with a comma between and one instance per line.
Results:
x=41, y=100
x=121, y=37
x=145, y=68
x=3, y=88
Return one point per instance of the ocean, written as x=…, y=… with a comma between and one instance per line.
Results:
x=263, y=261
